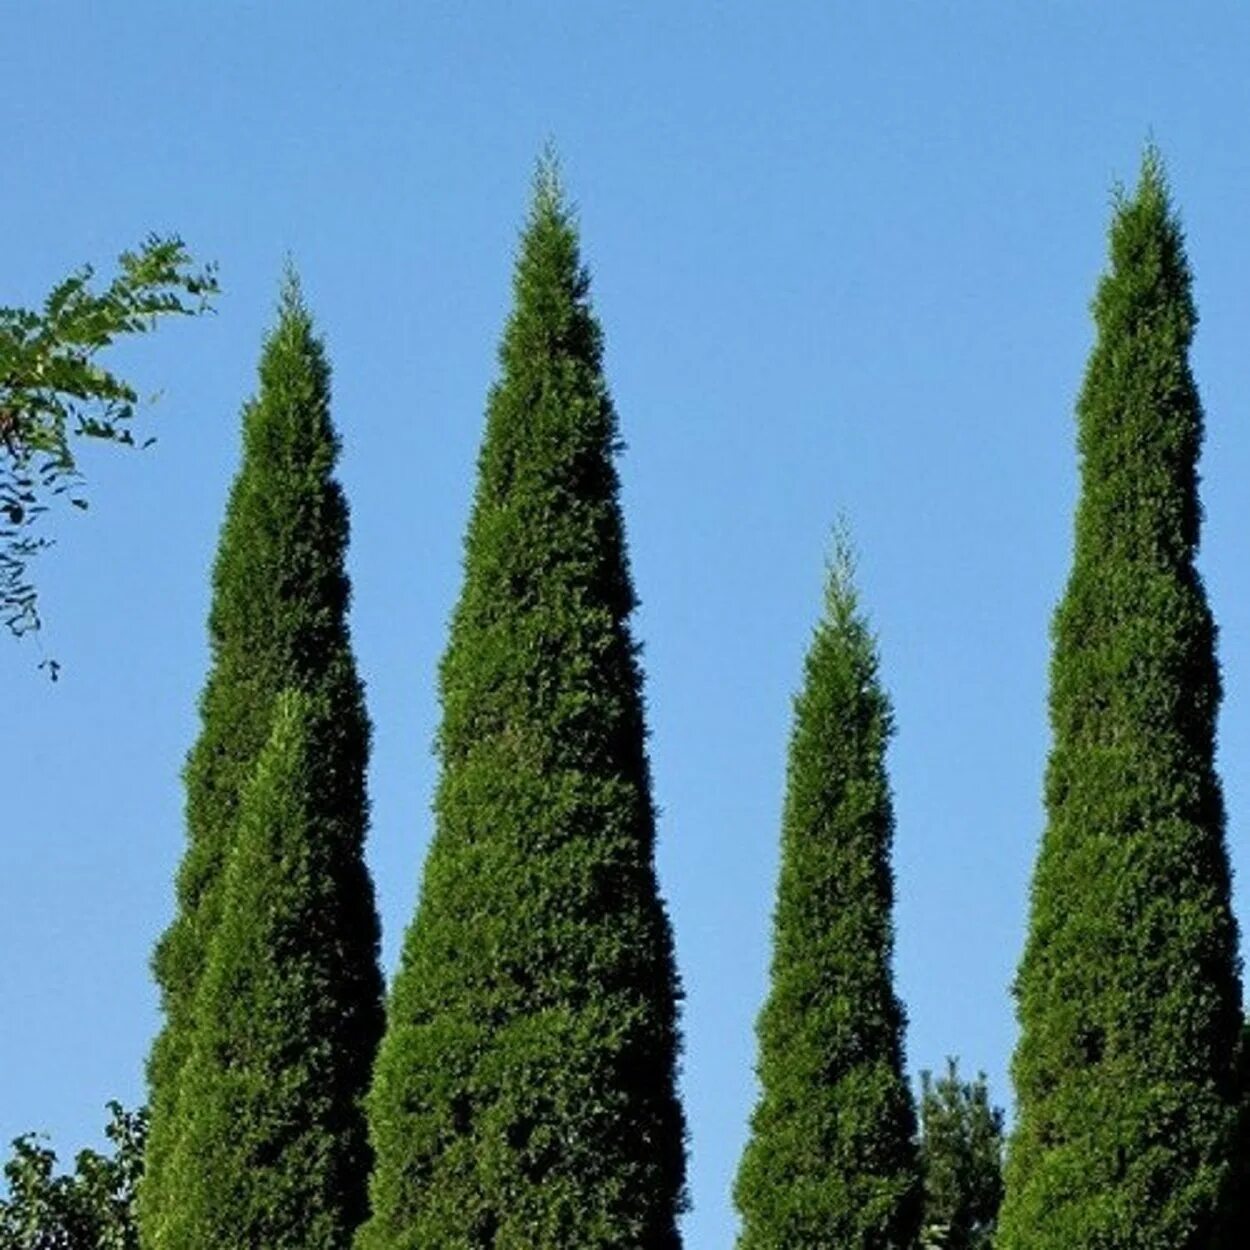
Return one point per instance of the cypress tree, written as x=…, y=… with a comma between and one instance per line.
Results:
x=1127, y=993
x=278, y=621
x=831, y=1159
x=524, y=1096
x=272, y=1150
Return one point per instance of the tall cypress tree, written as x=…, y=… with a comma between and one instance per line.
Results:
x=1127, y=994
x=831, y=1160
x=272, y=1150
x=278, y=621
x=524, y=1096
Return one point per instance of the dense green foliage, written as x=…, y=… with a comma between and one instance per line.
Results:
x=53, y=390
x=1237, y=1214
x=90, y=1208
x=272, y=1150
x=278, y=621
x=524, y=1097
x=1128, y=996
x=831, y=1160
x=961, y=1158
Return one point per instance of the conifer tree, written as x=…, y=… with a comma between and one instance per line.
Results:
x=524, y=1096
x=1127, y=993
x=831, y=1160
x=272, y=1150
x=278, y=621
x=961, y=1157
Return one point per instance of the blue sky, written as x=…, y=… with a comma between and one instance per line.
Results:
x=843, y=255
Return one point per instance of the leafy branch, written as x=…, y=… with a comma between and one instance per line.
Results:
x=53, y=390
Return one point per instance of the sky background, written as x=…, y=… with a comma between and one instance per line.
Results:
x=843, y=256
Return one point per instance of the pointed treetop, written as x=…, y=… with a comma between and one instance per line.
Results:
x=292, y=343
x=551, y=287
x=549, y=197
x=1152, y=196
x=1149, y=272
x=291, y=290
x=293, y=310
x=1154, y=173
x=841, y=597
x=1152, y=185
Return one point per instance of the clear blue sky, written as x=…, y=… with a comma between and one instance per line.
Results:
x=843, y=255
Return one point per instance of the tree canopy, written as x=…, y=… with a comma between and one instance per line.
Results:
x=1128, y=992
x=278, y=622
x=91, y=1208
x=525, y=1092
x=831, y=1158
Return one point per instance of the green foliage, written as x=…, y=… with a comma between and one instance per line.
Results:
x=831, y=1161
x=53, y=389
x=272, y=1150
x=1127, y=994
x=278, y=622
x=961, y=1157
x=1237, y=1211
x=91, y=1208
x=524, y=1096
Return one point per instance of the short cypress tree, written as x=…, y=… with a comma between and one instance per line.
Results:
x=278, y=621
x=831, y=1160
x=524, y=1096
x=272, y=1150
x=1127, y=994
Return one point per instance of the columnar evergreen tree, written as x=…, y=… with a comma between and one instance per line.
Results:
x=278, y=621
x=961, y=1157
x=831, y=1160
x=1128, y=996
x=273, y=1150
x=524, y=1096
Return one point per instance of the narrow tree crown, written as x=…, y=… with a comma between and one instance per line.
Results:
x=1128, y=992
x=524, y=1097
x=278, y=621
x=278, y=616
x=831, y=1159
